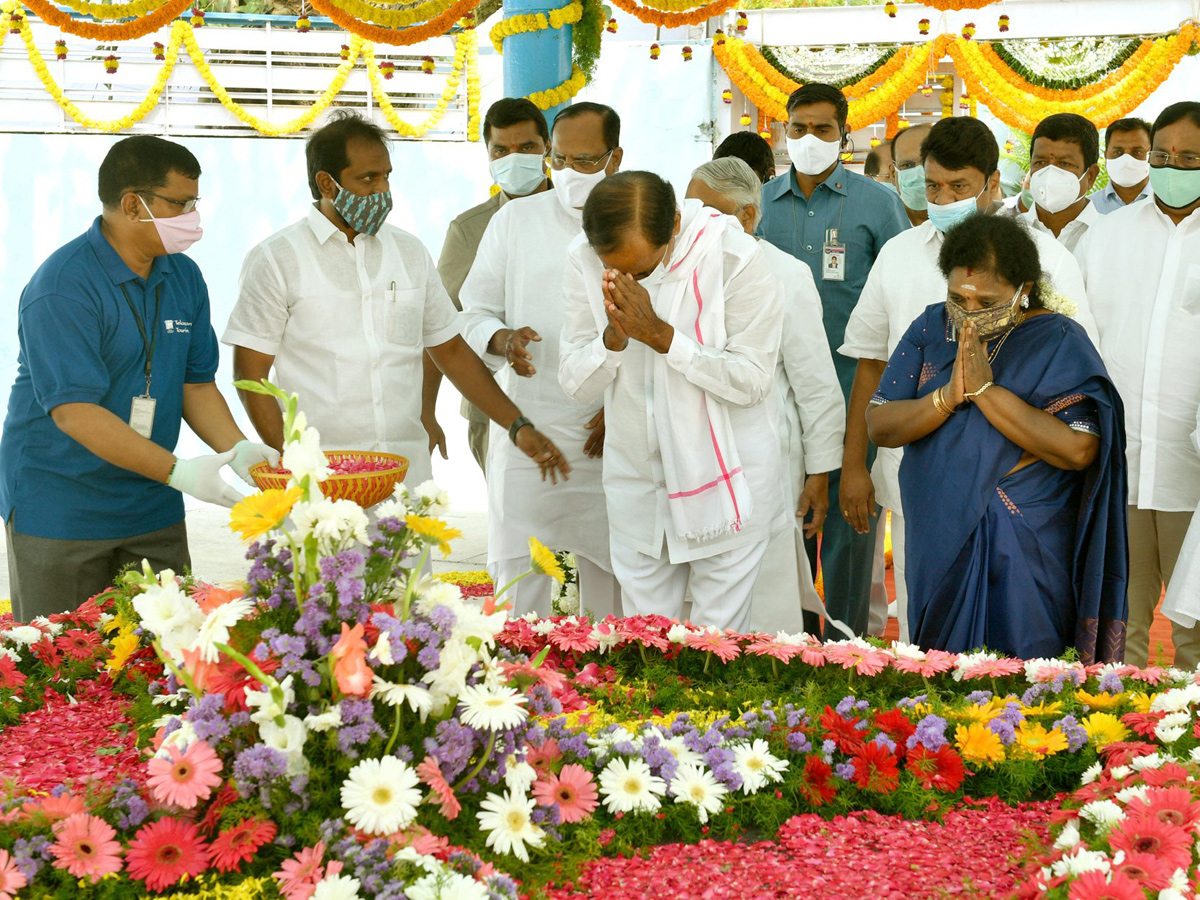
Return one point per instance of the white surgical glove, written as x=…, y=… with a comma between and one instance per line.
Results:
x=200, y=477
x=247, y=454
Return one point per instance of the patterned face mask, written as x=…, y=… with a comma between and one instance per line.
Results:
x=365, y=214
x=991, y=322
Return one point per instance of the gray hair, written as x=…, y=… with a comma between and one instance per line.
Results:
x=733, y=179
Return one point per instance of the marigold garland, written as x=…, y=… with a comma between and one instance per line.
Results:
x=395, y=36
x=674, y=13
x=101, y=11
x=526, y=22
x=473, y=88
x=124, y=31
x=394, y=18
x=463, y=46
x=945, y=5
x=780, y=80
x=558, y=95
x=1017, y=80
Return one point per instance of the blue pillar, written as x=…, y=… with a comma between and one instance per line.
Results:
x=536, y=60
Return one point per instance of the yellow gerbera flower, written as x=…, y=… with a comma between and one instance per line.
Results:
x=544, y=562
x=1034, y=740
x=432, y=531
x=979, y=744
x=1104, y=729
x=258, y=513
x=124, y=645
x=1053, y=708
x=1141, y=701
x=1102, y=701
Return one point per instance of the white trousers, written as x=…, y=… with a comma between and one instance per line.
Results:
x=599, y=591
x=720, y=586
x=898, y=573
x=878, y=615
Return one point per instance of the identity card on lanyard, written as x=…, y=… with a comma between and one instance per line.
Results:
x=141, y=411
x=833, y=257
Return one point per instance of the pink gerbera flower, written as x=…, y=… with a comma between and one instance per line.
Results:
x=10, y=675
x=12, y=879
x=431, y=773
x=56, y=808
x=764, y=645
x=543, y=756
x=1145, y=869
x=1170, y=805
x=724, y=645
x=863, y=660
x=187, y=777
x=573, y=789
x=932, y=663
x=165, y=851
x=85, y=847
x=78, y=644
x=1095, y=886
x=238, y=844
x=992, y=668
x=1143, y=834
x=298, y=877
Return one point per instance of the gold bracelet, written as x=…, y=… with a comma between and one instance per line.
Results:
x=974, y=394
x=943, y=408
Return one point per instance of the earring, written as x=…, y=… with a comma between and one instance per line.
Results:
x=1025, y=302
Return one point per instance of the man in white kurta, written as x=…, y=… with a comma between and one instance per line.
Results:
x=657, y=561
x=903, y=282
x=807, y=405
x=1143, y=280
x=514, y=283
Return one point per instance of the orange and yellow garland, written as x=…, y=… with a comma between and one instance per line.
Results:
x=435, y=27
x=945, y=5
x=122, y=31
x=675, y=13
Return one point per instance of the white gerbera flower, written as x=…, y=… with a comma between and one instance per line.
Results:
x=1091, y=773
x=417, y=697
x=493, y=708
x=508, y=820
x=757, y=765
x=331, y=718
x=1068, y=837
x=23, y=634
x=215, y=629
x=337, y=887
x=1138, y=791
x=678, y=748
x=288, y=739
x=336, y=524
x=446, y=885
x=1081, y=862
x=381, y=795
x=697, y=786
x=630, y=786
x=519, y=776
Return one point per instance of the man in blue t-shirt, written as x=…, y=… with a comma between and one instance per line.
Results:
x=115, y=351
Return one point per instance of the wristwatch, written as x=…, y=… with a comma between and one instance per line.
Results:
x=518, y=423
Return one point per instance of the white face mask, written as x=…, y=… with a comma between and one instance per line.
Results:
x=518, y=174
x=572, y=188
x=1127, y=171
x=811, y=155
x=659, y=271
x=1054, y=189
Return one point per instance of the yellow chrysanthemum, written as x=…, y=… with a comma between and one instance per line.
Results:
x=124, y=645
x=544, y=562
x=1034, y=740
x=258, y=513
x=1052, y=708
x=979, y=744
x=1102, y=701
x=1104, y=728
x=432, y=531
x=462, y=579
x=982, y=713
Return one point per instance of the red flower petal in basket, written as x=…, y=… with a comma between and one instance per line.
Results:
x=863, y=660
x=725, y=646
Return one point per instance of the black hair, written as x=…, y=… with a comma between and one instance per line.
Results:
x=1123, y=126
x=513, y=111
x=325, y=149
x=997, y=244
x=873, y=165
x=752, y=149
x=625, y=201
x=1073, y=128
x=961, y=142
x=609, y=120
x=142, y=162
x=815, y=92
x=1177, y=112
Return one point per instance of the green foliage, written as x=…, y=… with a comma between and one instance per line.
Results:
x=586, y=37
x=1064, y=84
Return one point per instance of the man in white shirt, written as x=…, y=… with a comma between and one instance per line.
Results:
x=1142, y=265
x=342, y=306
x=807, y=405
x=1063, y=164
x=513, y=315
x=959, y=159
x=1126, y=145
x=673, y=317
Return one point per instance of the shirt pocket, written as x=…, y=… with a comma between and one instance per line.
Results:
x=1190, y=302
x=405, y=316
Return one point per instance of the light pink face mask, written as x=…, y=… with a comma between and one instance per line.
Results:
x=177, y=233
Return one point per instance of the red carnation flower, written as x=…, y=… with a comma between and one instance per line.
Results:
x=875, y=768
x=238, y=844
x=165, y=851
x=941, y=770
x=817, y=784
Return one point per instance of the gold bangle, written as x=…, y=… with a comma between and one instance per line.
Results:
x=940, y=405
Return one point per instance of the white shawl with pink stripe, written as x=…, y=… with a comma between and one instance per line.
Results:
x=707, y=492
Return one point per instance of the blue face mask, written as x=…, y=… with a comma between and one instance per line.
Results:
x=365, y=214
x=912, y=187
x=945, y=216
x=1176, y=188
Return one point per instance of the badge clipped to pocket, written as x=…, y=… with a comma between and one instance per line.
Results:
x=833, y=258
x=141, y=416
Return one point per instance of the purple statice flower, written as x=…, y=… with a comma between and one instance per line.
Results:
x=930, y=734
x=452, y=744
x=31, y=854
x=358, y=726
x=681, y=724
x=624, y=748
x=1031, y=696
x=172, y=726
x=1003, y=729
x=910, y=702
x=429, y=657
x=390, y=626
x=1060, y=681
x=443, y=619
x=543, y=703
x=884, y=741
x=845, y=706
x=1075, y=734
x=239, y=719
x=827, y=748
x=844, y=771
x=207, y=717
x=979, y=698
x=795, y=717
x=798, y=742
x=256, y=768
x=1012, y=714
x=1111, y=684
x=501, y=887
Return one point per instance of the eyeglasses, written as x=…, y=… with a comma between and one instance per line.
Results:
x=582, y=164
x=185, y=206
x=1160, y=158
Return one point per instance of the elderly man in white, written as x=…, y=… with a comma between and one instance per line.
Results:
x=959, y=158
x=807, y=404
x=673, y=317
x=513, y=312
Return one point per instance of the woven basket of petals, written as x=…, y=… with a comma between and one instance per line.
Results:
x=364, y=476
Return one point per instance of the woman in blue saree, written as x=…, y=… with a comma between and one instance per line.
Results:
x=1013, y=479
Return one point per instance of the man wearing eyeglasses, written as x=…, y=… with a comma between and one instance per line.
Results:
x=1143, y=281
x=513, y=315
x=116, y=350
x=1126, y=146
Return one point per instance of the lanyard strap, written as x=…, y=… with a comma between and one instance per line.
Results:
x=147, y=342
